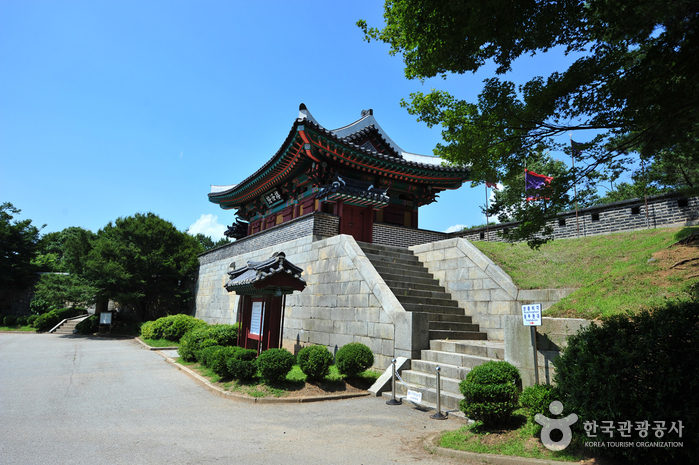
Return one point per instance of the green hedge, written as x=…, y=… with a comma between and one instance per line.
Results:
x=9, y=320
x=275, y=364
x=315, y=362
x=490, y=392
x=205, y=336
x=354, y=358
x=171, y=327
x=242, y=363
x=636, y=368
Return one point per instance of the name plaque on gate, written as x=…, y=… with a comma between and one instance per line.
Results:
x=256, y=318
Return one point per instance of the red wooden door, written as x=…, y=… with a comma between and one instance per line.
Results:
x=353, y=219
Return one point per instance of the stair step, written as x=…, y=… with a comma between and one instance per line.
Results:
x=429, y=380
x=453, y=326
x=433, y=309
x=426, y=301
x=412, y=261
x=458, y=335
x=416, y=283
x=452, y=317
x=406, y=292
x=449, y=400
x=448, y=371
x=401, y=271
x=450, y=358
x=487, y=349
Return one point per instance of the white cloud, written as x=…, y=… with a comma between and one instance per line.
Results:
x=208, y=225
x=455, y=228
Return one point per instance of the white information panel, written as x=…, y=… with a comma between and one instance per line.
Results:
x=256, y=318
x=414, y=396
x=105, y=318
x=531, y=314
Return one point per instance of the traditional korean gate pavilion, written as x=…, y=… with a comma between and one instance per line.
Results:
x=355, y=172
x=263, y=287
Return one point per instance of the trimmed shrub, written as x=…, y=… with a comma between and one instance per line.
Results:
x=217, y=359
x=242, y=364
x=89, y=325
x=9, y=320
x=490, y=392
x=537, y=399
x=275, y=364
x=171, y=327
x=32, y=319
x=22, y=320
x=207, y=355
x=315, y=362
x=637, y=368
x=204, y=336
x=354, y=358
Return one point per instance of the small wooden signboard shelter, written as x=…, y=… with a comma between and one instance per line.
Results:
x=263, y=287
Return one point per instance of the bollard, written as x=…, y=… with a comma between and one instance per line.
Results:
x=393, y=400
x=439, y=415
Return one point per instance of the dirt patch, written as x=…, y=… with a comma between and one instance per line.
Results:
x=678, y=262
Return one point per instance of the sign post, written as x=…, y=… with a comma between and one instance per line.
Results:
x=531, y=316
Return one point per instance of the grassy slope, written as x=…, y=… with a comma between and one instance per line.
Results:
x=611, y=272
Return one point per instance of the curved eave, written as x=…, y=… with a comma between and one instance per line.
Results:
x=294, y=154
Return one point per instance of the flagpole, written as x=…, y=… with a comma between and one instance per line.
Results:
x=575, y=186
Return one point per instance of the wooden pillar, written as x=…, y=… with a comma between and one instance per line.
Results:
x=369, y=224
x=340, y=207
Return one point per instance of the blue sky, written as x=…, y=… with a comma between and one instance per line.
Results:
x=112, y=108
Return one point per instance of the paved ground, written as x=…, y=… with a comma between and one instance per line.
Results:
x=68, y=400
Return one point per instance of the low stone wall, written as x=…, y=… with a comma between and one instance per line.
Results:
x=345, y=300
x=315, y=223
x=628, y=215
x=400, y=236
x=551, y=339
x=481, y=287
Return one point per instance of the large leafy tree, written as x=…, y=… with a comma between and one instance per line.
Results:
x=63, y=256
x=633, y=80
x=143, y=261
x=18, y=247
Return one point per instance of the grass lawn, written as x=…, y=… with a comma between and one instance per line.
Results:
x=516, y=439
x=613, y=273
x=160, y=342
x=27, y=328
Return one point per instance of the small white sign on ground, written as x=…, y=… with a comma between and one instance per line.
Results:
x=531, y=314
x=414, y=396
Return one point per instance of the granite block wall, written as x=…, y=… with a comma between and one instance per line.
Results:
x=345, y=300
x=482, y=288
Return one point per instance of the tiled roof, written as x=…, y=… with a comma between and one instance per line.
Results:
x=257, y=271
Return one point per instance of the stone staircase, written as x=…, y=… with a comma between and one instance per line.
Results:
x=418, y=291
x=456, y=344
x=68, y=326
x=455, y=359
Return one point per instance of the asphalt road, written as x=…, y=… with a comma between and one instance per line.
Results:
x=68, y=400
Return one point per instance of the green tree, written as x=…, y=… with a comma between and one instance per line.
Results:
x=511, y=204
x=208, y=243
x=633, y=79
x=18, y=247
x=63, y=256
x=143, y=261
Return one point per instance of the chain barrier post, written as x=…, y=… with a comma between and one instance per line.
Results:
x=393, y=400
x=439, y=415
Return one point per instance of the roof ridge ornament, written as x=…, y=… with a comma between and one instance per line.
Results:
x=367, y=112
